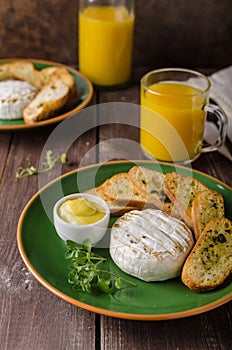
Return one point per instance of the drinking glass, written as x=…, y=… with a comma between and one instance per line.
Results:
x=106, y=41
x=173, y=119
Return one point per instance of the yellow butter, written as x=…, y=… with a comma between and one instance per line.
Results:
x=91, y=219
x=81, y=207
x=80, y=211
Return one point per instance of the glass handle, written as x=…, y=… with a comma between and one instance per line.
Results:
x=218, y=117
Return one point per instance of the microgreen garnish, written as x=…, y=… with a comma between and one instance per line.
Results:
x=47, y=165
x=85, y=273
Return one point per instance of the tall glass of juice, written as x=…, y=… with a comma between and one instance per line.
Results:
x=106, y=41
x=174, y=110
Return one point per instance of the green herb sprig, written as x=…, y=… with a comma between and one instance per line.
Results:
x=85, y=272
x=47, y=165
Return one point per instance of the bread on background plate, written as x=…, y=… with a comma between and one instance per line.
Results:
x=47, y=102
x=4, y=72
x=49, y=73
x=25, y=70
x=56, y=89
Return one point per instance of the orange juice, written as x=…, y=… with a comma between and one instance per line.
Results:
x=105, y=44
x=175, y=130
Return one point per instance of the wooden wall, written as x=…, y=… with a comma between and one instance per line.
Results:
x=190, y=33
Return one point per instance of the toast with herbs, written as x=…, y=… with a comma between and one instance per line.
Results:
x=209, y=263
x=181, y=190
x=206, y=206
x=149, y=183
x=116, y=209
x=119, y=188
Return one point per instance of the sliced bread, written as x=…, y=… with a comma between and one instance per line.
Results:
x=68, y=79
x=45, y=74
x=4, y=73
x=210, y=261
x=119, y=188
x=206, y=206
x=49, y=73
x=182, y=190
x=116, y=209
x=149, y=183
x=25, y=70
x=49, y=100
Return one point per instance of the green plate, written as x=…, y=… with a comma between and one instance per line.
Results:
x=43, y=252
x=85, y=93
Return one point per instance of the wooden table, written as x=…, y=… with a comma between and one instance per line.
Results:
x=32, y=318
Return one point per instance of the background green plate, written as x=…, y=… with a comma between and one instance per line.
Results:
x=43, y=252
x=85, y=92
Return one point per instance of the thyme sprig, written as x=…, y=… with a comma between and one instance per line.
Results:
x=47, y=165
x=85, y=272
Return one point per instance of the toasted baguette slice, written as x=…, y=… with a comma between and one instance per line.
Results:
x=62, y=74
x=4, y=72
x=25, y=70
x=149, y=183
x=119, y=188
x=210, y=261
x=49, y=100
x=45, y=74
x=115, y=208
x=206, y=206
x=50, y=73
x=182, y=190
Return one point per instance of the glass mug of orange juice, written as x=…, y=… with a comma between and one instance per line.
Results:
x=106, y=41
x=173, y=116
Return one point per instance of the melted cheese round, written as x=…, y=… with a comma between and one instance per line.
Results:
x=150, y=244
x=15, y=95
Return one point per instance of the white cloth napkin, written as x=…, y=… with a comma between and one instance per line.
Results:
x=221, y=93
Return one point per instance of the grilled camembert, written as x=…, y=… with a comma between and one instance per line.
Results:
x=15, y=95
x=150, y=244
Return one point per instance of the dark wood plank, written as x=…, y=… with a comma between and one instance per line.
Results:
x=5, y=141
x=32, y=318
x=216, y=165
x=120, y=140
x=200, y=332
x=27, y=34
x=169, y=34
